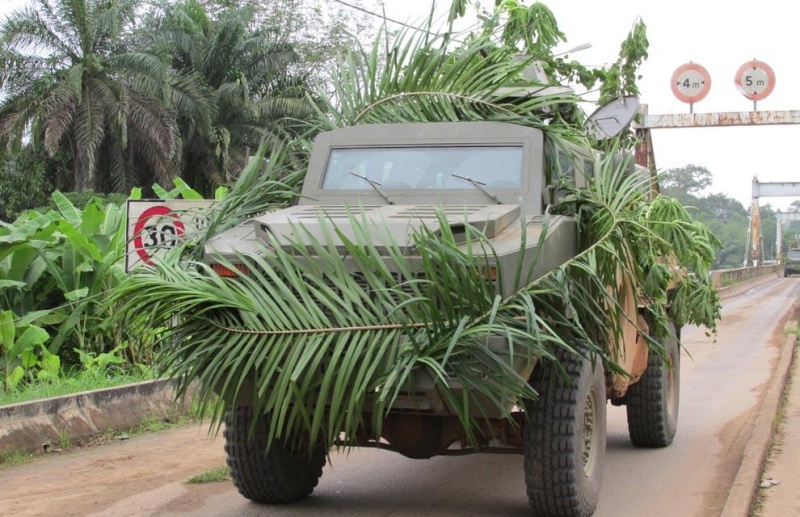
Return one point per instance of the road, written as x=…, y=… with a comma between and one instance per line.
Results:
x=722, y=383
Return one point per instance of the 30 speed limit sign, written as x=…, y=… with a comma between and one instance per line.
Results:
x=156, y=228
x=157, y=225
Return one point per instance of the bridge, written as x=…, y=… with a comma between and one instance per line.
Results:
x=725, y=278
x=645, y=156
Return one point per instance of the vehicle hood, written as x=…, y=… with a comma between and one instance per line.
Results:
x=395, y=224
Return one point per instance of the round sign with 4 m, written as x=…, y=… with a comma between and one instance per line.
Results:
x=691, y=83
x=755, y=80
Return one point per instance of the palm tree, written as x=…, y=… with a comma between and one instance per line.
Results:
x=73, y=84
x=250, y=82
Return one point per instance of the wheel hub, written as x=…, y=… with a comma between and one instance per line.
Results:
x=671, y=386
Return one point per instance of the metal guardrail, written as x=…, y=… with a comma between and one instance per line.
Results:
x=727, y=277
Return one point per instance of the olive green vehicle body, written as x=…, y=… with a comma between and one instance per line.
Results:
x=384, y=183
x=403, y=202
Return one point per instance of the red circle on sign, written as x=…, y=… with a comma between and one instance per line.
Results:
x=161, y=212
x=755, y=80
x=691, y=83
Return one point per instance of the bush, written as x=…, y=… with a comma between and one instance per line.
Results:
x=24, y=184
x=81, y=200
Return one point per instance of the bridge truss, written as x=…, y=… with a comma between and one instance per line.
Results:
x=645, y=156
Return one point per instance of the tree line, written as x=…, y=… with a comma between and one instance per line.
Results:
x=727, y=218
x=110, y=95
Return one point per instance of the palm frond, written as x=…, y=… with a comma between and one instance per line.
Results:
x=27, y=29
x=316, y=346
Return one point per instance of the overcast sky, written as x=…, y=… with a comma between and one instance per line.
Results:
x=716, y=35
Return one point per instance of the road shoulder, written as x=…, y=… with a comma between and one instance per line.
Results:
x=742, y=495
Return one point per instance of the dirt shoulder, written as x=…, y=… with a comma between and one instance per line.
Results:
x=92, y=481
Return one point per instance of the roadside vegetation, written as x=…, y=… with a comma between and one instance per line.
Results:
x=211, y=476
x=727, y=218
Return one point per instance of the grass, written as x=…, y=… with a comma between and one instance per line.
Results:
x=64, y=440
x=12, y=459
x=211, y=476
x=84, y=381
x=151, y=425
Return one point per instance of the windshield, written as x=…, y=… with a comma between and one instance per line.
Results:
x=496, y=167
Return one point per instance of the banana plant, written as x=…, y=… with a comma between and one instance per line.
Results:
x=23, y=283
x=19, y=340
x=84, y=263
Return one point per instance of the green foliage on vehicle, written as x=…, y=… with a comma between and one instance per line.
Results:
x=300, y=334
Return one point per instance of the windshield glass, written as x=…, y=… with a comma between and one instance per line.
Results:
x=496, y=167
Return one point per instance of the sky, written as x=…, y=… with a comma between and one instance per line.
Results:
x=719, y=36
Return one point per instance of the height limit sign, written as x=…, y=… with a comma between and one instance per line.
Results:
x=691, y=83
x=755, y=80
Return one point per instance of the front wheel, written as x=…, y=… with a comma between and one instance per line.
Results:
x=565, y=437
x=277, y=475
x=653, y=402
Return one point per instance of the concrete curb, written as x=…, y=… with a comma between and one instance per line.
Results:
x=736, y=289
x=745, y=485
x=37, y=425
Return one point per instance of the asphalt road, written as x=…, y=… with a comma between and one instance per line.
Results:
x=722, y=382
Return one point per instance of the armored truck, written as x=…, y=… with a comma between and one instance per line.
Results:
x=493, y=176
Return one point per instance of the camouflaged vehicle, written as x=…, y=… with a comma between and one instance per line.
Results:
x=489, y=174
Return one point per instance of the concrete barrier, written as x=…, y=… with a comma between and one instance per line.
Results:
x=728, y=277
x=34, y=426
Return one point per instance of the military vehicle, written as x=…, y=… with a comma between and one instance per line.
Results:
x=488, y=175
x=791, y=264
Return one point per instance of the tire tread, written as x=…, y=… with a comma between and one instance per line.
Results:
x=551, y=476
x=648, y=424
x=276, y=476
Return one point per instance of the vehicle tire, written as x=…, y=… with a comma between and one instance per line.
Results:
x=275, y=476
x=565, y=437
x=653, y=402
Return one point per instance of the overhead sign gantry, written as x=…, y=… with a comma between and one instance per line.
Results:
x=691, y=83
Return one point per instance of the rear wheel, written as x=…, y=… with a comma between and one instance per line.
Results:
x=277, y=475
x=565, y=437
x=653, y=402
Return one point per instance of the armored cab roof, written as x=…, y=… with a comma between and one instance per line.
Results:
x=450, y=163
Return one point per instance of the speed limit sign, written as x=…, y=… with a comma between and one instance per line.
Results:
x=156, y=228
x=157, y=225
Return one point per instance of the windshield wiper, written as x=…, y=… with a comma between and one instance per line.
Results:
x=374, y=184
x=478, y=185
